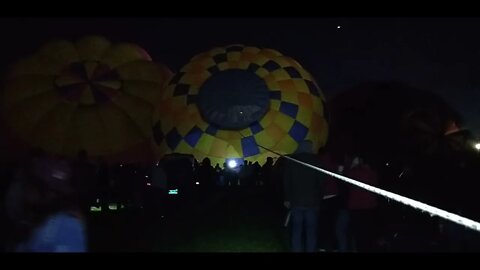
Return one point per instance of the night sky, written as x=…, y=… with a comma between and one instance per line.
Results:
x=439, y=54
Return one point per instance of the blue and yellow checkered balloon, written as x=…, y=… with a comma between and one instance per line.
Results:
x=227, y=101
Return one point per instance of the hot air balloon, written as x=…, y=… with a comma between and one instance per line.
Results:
x=388, y=121
x=87, y=95
x=230, y=102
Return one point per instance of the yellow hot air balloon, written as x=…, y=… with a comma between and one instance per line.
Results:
x=227, y=102
x=87, y=95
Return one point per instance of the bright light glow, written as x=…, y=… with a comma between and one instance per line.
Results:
x=477, y=146
x=112, y=206
x=121, y=165
x=95, y=209
x=149, y=184
x=339, y=26
x=387, y=164
x=232, y=164
x=197, y=183
x=146, y=176
x=173, y=192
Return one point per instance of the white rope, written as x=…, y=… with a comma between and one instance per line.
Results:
x=433, y=211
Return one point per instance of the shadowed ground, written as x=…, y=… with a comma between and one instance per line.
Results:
x=229, y=221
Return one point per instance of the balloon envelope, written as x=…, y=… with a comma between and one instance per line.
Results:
x=87, y=95
x=228, y=102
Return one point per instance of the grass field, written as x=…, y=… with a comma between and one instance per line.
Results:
x=235, y=221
